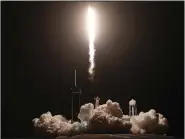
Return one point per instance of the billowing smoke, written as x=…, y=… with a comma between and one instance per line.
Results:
x=106, y=118
x=57, y=125
x=86, y=112
x=149, y=122
x=53, y=125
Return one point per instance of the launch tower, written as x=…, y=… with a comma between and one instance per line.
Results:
x=75, y=106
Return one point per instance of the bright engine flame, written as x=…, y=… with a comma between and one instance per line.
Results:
x=91, y=28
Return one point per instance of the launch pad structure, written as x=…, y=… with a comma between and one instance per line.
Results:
x=76, y=93
x=75, y=100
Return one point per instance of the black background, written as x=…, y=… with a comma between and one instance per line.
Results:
x=139, y=54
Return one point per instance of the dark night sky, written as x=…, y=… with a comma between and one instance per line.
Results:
x=139, y=54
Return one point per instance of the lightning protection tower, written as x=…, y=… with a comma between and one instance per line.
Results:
x=75, y=100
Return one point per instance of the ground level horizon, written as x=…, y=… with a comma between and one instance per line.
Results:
x=118, y=136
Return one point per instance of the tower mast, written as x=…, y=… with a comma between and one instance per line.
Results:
x=75, y=101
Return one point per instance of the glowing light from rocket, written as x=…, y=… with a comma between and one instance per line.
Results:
x=91, y=28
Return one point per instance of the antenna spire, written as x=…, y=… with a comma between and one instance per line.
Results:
x=75, y=77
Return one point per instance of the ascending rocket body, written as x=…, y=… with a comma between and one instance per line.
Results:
x=75, y=106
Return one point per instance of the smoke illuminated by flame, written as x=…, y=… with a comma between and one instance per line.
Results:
x=91, y=28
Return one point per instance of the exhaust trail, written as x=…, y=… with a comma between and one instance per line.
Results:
x=91, y=28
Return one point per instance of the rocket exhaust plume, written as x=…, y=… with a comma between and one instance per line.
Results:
x=91, y=28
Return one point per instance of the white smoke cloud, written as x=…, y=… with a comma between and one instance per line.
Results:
x=86, y=112
x=112, y=108
x=108, y=117
x=57, y=125
x=149, y=122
